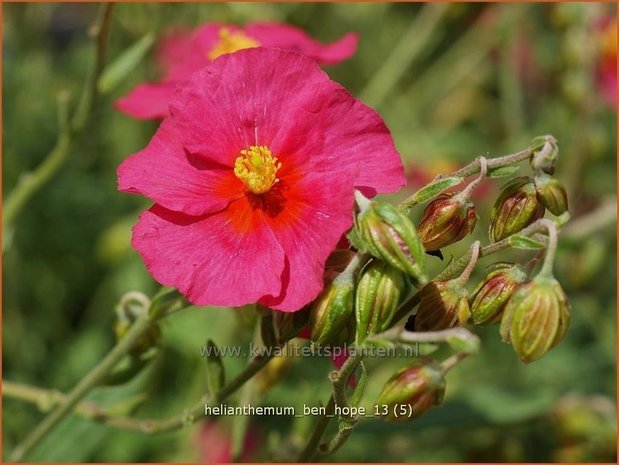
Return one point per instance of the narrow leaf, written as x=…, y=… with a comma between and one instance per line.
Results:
x=120, y=68
x=519, y=241
x=503, y=171
x=435, y=188
x=215, y=372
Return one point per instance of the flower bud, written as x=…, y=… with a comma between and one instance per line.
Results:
x=389, y=235
x=536, y=318
x=516, y=208
x=551, y=194
x=378, y=295
x=420, y=386
x=491, y=295
x=332, y=310
x=447, y=219
x=544, y=153
x=442, y=305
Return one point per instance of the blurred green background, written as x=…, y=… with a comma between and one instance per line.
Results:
x=452, y=81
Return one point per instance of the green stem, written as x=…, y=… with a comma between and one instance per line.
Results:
x=452, y=361
x=30, y=183
x=397, y=334
x=90, y=381
x=309, y=450
x=466, y=274
x=551, y=249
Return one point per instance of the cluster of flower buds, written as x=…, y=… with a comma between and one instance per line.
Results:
x=364, y=302
x=412, y=391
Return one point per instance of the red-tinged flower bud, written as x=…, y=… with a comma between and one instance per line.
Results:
x=491, y=295
x=447, y=219
x=378, y=295
x=332, y=310
x=551, y=194
x=442, y=305
x=386, y=233
x=544, y=154
x=536, y=318
x=516, y=208
x=412, y=391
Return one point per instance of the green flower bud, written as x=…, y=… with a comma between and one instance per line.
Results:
x=516, y=208
x=544, y=153
x=536, y=318
x=388, y=234
x=332, y=310
x=378, y=295
x=491, y=295
x=420, y=386
x=442, y=305
x=447, y=219
x=551, y=194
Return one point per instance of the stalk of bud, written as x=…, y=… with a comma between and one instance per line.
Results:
x=332, y=310
x=445, y=304
x=537, y=316
x=131, y=306
x=491, y=295
x=387, y=233
x=287, y=325
x=516, y=207
x=412, y=391
x=450, y=217
x=551, y=194
x=378, y=295
x=544, y=154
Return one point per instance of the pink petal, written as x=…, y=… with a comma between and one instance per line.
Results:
x=285, y=101
x=173, y=48
x=230, y=258
x=317, y=211
x=163, y=172
x=294, y=39
x=147, y=101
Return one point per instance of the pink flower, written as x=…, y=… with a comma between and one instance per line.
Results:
x=252, y=176
x=181, y=54
x=215, y=446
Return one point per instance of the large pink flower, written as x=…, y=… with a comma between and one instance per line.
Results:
x=182, y=54
x=253, y=175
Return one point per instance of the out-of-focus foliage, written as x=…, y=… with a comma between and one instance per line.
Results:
x=464, y=80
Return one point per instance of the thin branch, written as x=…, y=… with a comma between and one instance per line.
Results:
x=30, y=183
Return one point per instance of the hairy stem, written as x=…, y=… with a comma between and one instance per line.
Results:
x=309, y=450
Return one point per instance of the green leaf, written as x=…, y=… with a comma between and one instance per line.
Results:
x=518, y=241
x=503, y=171
x=435, y=188
x=357, y=394
x=215, y=371
x=464, y=342
x=120, y=68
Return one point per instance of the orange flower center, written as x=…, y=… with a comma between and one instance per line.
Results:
x=230, y=42
x=257, y=168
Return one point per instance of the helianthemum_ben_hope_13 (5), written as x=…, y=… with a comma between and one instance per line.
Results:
x=181, y=53
x=253, y=176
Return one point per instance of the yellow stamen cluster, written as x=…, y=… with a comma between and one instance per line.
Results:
x=230, y=42
x=257, y=168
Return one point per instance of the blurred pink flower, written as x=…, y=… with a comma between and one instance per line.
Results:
x=215, y=446
x=607, y=64
x=181, y=54
x=253, y=184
